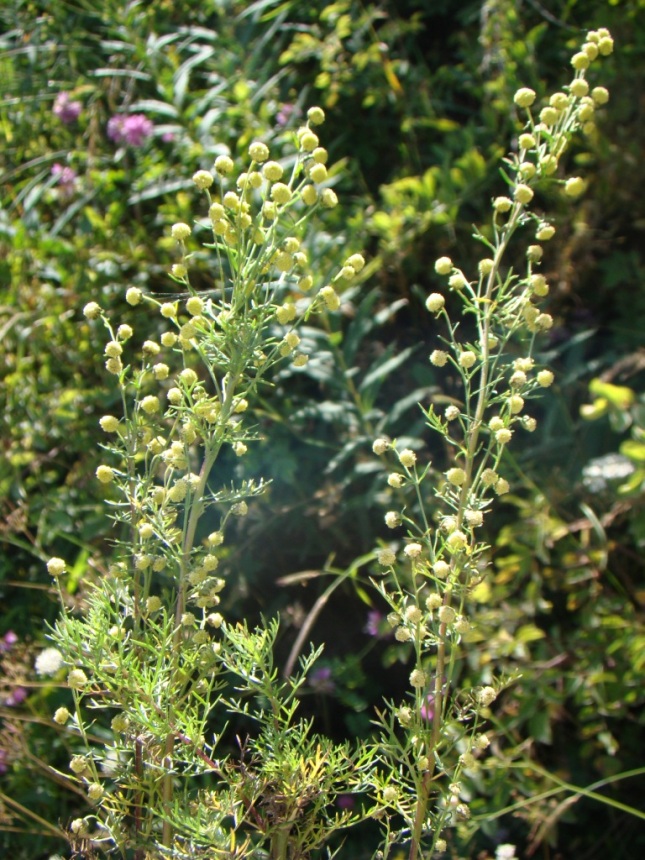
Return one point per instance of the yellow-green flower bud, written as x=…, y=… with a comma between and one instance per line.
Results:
x=309, y=141
x=330, y=297
x=272, y=171
x=438, y=357
x=523, y=194
x=280, y=193
x=328, y=198
x=456, y=476
x=56, y=566
x=574, y=186
x=77, y=679
x=180, y=231
x=224, y=165
x=258, y=151
x=316, y=115
x=133, y=296
x=579, y=88
x=309, y=195
x=105, y=474
x=150, y=404
x=524, y=97
x=502, y=204
x=124, y=332
x=443, y=266
x=545, y=378
x=467, y=359
x=318, y=173
x=92, y=310
x=526, y=141
x=435, y=302
x=600, y=95
x=194, y=306
x=168, y=310
x=203, y=179
x=61, y=716
x=109, y=424
x=169, y=338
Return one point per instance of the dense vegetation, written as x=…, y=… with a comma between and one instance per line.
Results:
x=107, y=110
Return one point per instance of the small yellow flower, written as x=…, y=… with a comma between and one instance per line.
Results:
x=574, y=186
x=180, y=232
x=56, y=566
x=523, y=194
x=316, y=115
x=258, y=151
x=203, y=179
x=105, y=474
x=224, y=165
x=328, y=198
x=133, y=296
x=524, y=97
x=92, y=310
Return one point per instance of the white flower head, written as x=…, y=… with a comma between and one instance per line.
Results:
x=49, y=661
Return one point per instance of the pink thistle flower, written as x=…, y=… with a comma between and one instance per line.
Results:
x=131, y=130
x=65, y=110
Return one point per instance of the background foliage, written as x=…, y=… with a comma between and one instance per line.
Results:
x=419, y=103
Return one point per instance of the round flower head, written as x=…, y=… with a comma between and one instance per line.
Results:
x=456, y=476
x=309, y=195
x=203, y=179
x=48, y=662
x=280, y=193
x=92, y=310
x=380, y=446
x=579, y=88
x=486, y=696
x=56, y=566
x=600, y=95
x=443, y=266
x=545, y=378
x=258, y=151
x=105, y=474
x=385, y=557
x=574, y=186
x=524, y=97
x=133, y=296
x=457, y=281
x=180, y=231
x=61, y=716
x=467, y=359
x=523, y=194
x=194, y=306
x=441, y=569
x=77, y=679
x=224, y=165
x=413, y=550
x=407, y=458
x=447, y=614
x=272, y=171
x=330, y=297
x=580, y=61
x=438, y=357
x=502, y=204
x=435, y=302
x=318, y=173
x=418, y=678
x=328, y=198
x=316, y=115
x=392, y=519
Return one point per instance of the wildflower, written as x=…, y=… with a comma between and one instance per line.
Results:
x=105, y=474
x=150, y=347
x=318, y=173
x=503, y=436
x=280, y=193
x=330, y=297
x=380, y=446
x=486, y=696
x=457, y=541
x=321, y=681
x=523, y=194
x=457, y=281
x=56, y=566
x=447, y=614
x=394, y=479
x=95, y=791
x=328, y=198
x=224, y=165
x=502, y=204
x=65, y=110
x=502, y=486
x=443, y=266
x=407, y=458
x=474, y=518
x=194, y=306
x=467, y=359
x=309, y=195
x=435, y=302
x=316, y=115
x=258, y=151
x=418, y=678
x=203, y=179
x=150, y=404
x=456, y=476
x=61, y=715
x=451, y=413
x=579, y=88
x=526, y=141
x=48, y=662
x=78, y=764
x=124, y=332
x=545, y=378
x=77, y=679
x=92, y=310
x=489, y=477
x=515, y=404
x=133, y=296
x=441, y=569
x=392, y=519
x=413, y=550
x=180, y=231
x=524, y=97
x=438, y=357
x=600, y=95
x=385, y=556
x=131, y=130
x=580, y=61
x=239, y=509
x=65, y=178
x=574, y=186
x=534, y=253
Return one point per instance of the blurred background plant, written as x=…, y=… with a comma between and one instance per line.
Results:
x=106, y=111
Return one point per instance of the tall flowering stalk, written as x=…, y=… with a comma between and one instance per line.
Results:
x=434, y=737
x=153, y=646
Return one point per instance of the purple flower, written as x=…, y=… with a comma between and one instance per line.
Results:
x=65, y=110
x=346, y=801
x=284, y=114
x=8, y=641
x=65, y=179
x=16, y=697
x=427, y=708
x=131, y=130
x=321, y=680
x=377, y=625
x=3, y=761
